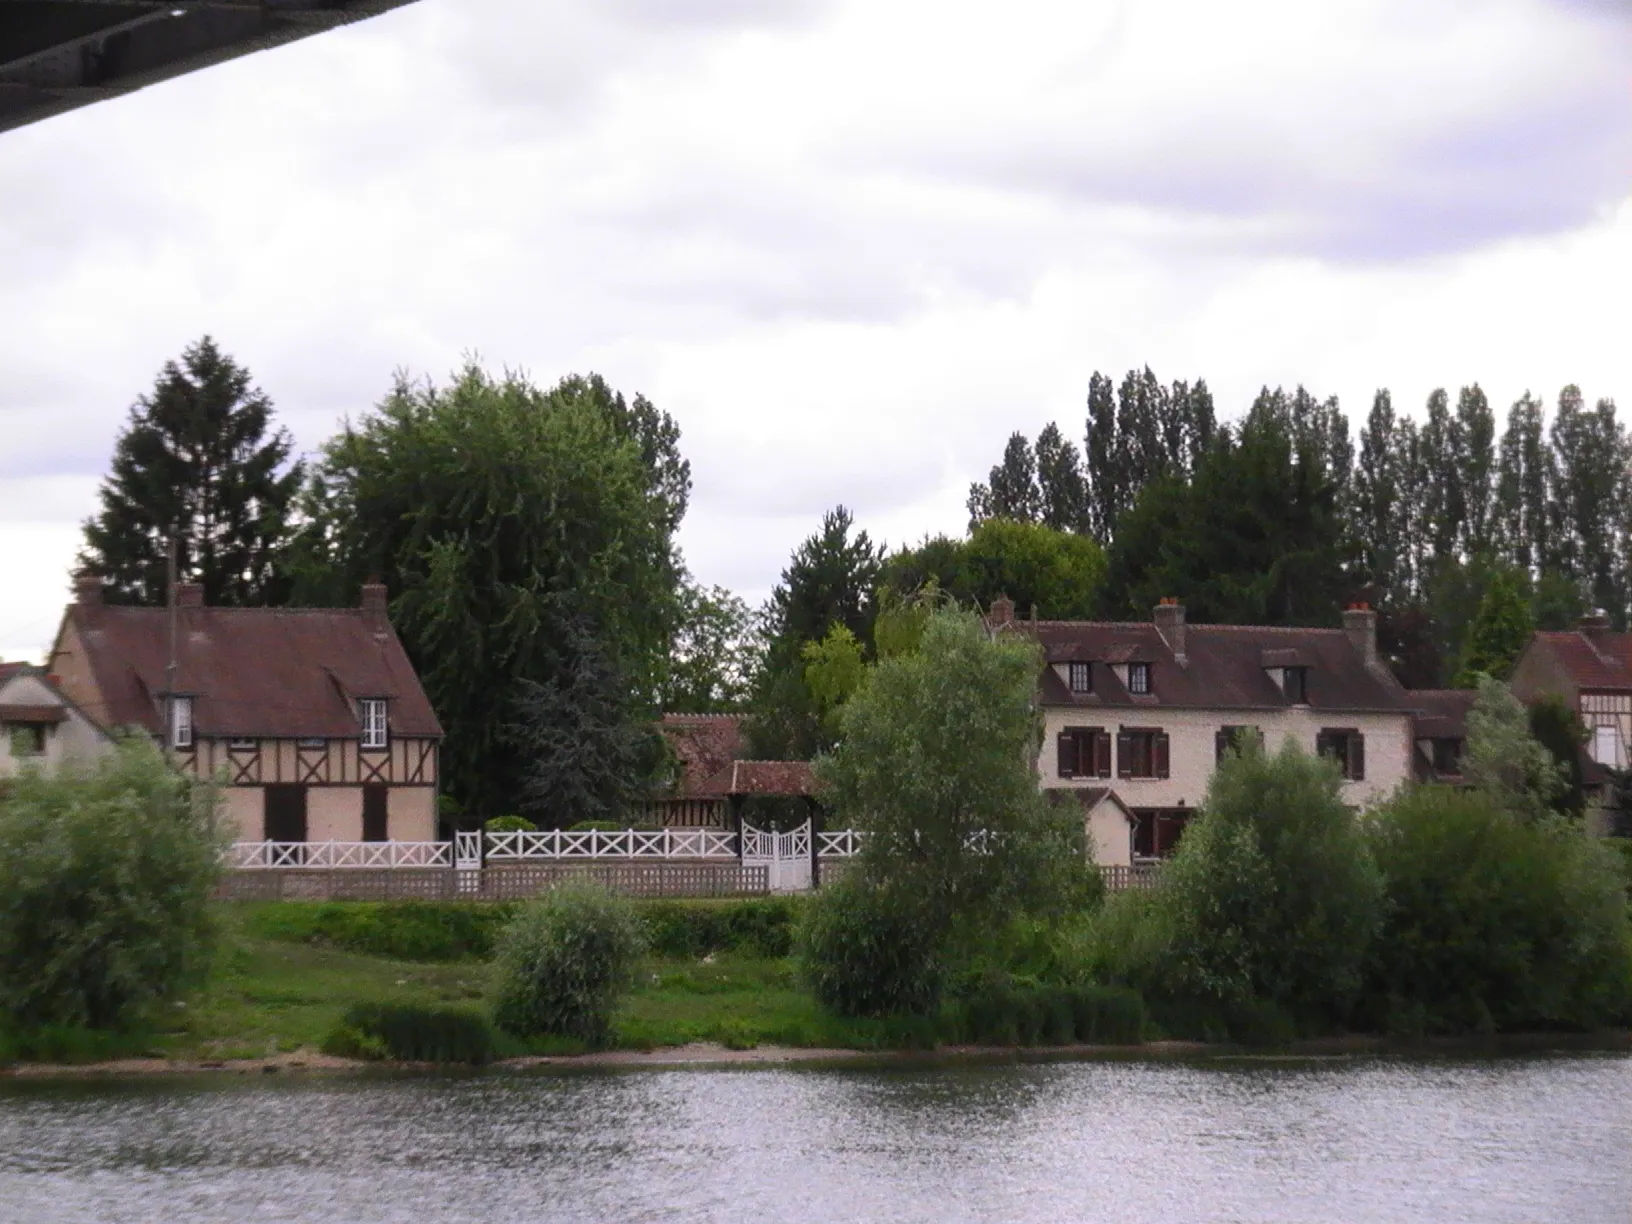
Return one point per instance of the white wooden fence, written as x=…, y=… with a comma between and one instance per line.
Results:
x=623, y=843
x=250, y=856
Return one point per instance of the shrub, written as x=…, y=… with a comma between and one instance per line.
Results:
x=402, y=930
x=108, y=872
x=866, y=951
x=1010, y=1012
x=1494, y=921
x=614, y=826
x=563, y=961
x=412, y=1034
x=1273, y=894
x=510, y=824
x=760, y=926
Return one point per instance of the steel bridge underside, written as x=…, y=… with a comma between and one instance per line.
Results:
x=56, y=55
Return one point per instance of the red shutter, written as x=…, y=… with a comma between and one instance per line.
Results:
x=1067, y=744
x=1160, y=749
x=1357, y=756
x=1102, y=753
x=1124, y=755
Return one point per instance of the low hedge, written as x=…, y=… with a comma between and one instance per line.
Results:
x=757, y=926
x=412, y=1033
x=1024, y=1014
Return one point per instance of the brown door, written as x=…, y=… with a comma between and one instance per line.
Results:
x=286, y=813
x=374, y=814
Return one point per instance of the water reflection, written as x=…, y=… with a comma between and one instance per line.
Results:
x=1516, y=1140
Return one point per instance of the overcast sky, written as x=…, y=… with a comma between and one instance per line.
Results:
x=851, y=246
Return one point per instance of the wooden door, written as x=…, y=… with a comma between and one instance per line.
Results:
x=375, y=824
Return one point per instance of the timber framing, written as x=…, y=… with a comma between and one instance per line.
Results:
x=57, y=55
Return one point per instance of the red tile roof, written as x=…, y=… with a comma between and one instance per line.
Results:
x=1224, y=666
x=254, y=672
x=1594, y=660
x=764, y=778
x=705, y=744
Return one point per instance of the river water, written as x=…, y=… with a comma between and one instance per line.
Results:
x=1542, y=1139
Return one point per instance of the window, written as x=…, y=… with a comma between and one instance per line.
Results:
x=1138, y=677
x=1228, y=738
x=239, y=743
x=1156, y=832
x=1085, y=752
x=1295, y=684
x=1142, y=752
x=1606, y=746
x=1082, y=677
x=373, y=722
x=27, y=739
x=312, y=742
x=181, y=722
x=1347, y=747
x=1447, y=757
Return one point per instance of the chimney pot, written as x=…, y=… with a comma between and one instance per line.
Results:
x=189, y=594
x=373, y=598
x=1360, y=623
x=88, y=589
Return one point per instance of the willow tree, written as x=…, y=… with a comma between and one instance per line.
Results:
x=506, y=520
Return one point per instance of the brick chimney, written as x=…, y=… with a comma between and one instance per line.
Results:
x=1360, y=623
x=189, y=594
x=87, y=589
x=1169, y=618
x=1596, y=621
x=373, y=598
x=1002, y=612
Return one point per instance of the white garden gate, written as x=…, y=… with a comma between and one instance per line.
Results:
x=785, y=856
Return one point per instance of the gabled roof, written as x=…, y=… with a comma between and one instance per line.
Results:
x=1442, y=713
x=1593, y=659
x=1225, y=666
x=705, y=744
x=253, y=672
x=785, y=778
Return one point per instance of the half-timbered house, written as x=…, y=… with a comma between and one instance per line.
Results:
x=313, y=719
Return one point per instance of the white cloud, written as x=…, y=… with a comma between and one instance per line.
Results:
x=851, y=246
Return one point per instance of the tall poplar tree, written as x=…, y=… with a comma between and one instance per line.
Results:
x=1378, y=523
x=1107, y=493
x=1011, y=490
x=198, y=462
x=1524, y=478
x=1063, y=491
x=1476, y=427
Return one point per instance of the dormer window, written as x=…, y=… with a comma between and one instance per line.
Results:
x=374, y=729
x=1138, y=677
x=1081, y=677
x=181, y=722
x=1295, y=684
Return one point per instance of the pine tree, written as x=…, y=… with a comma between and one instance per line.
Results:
x=196, y=462
x=1064, y=492
x=1500, y=629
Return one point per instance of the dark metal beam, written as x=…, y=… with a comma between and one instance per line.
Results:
x=56, y=55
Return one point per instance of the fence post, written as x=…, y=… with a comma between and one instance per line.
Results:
x=815, y=844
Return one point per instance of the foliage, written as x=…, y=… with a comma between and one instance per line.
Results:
x=866, y=949
x=903, y=617
x=412, y=1033
x=1010, y=1012
x=1054, y=573
x=834, y=669
x=400, y=930
x=108, y=872
x=196, y=462
x=1503, y=759
x=829, y=581
x=1558, y=728
x=1500, y=630
x=509, y=824
x=563, y=961
x=1272, y=894
x=758, y=926
x=509, y=522
x=717, y=650
x=1493, y=922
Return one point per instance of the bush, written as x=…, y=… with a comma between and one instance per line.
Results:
x=402, y=930
x=563, y=961
x=510, y=824
x=411, y=1034
x=692, y=929
x=108, y=872
x=1495, y=922
x=1008, y=1013
x=614, y=826
x=865, y=951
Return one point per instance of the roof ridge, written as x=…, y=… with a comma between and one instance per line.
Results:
x=1151, y=625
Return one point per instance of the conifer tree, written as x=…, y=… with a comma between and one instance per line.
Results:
x=1500, y=629
x=199, y=462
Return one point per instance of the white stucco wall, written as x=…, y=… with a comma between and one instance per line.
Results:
x=1110, y=837
x=243, y=808
x=410, y=813
x=334, y=813
x=75, y=738
x=1193, y=748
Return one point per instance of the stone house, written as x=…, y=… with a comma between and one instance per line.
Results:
x=1136, y=715
x=40, y=726
x=313, y=719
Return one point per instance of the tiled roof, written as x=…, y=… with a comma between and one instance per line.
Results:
x=1442, y=713
x=254, y=672
x=705, y=744
x=764, y=778
x=1224, y=666
x=1594, y=660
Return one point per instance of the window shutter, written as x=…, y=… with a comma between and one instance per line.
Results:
x=1357, y=756
x=1323, y=744
x=1161, y=753
x=1068, y=755
x=1124, y=755
x=1102, y=753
